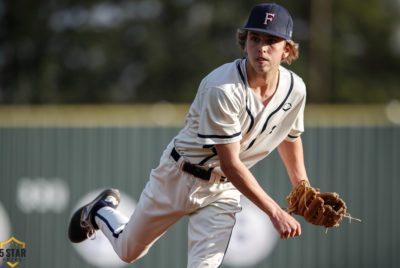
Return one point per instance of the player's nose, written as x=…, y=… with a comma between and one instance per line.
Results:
x=263, y=48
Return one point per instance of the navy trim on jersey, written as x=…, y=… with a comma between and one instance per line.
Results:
x=219, y=136
x=251, y=143
x=240, y=72
x=116, y=235
x=280, y=106
x=251, y=118
x=292, y=137
x=247, y=107
x=213, y=149
x=283, y=102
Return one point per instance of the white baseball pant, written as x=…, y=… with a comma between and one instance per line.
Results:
x=170, y=194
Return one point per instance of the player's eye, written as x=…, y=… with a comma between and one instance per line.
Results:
x=255, y=39
x=270, y=41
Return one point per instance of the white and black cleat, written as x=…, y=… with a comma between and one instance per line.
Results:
x=82, y=224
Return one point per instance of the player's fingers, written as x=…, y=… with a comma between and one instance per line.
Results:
x=285, y=234
x=298, y=231
x=295, y=230
x=294, y=233
x=291, y=232
x=282, y=235
x=290, y=228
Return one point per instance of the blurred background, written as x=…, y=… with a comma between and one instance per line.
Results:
x=145, y=51
x=91, y=92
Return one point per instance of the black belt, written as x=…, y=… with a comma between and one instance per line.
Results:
x=195, y=170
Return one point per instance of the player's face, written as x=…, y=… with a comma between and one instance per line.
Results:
x=265, y=52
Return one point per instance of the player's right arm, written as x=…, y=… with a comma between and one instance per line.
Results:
x=244, y=181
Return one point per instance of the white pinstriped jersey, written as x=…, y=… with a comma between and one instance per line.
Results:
x=226, y=110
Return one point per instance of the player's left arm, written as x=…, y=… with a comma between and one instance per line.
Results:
x=292, y=155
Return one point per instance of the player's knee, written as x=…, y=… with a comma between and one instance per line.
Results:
x=127, y=259
x=130, y=256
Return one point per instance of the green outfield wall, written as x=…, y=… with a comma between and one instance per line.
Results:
x=52, y=156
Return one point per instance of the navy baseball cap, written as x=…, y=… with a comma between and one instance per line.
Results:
x=271, y=19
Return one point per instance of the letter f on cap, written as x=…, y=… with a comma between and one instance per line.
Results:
x=269, y=17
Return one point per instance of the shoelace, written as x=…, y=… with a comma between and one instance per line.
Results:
x=90, y=231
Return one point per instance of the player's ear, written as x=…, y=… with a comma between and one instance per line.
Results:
x=286, y=51
x=244, y=40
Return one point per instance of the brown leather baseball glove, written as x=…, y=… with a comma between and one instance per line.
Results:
x=324, y=209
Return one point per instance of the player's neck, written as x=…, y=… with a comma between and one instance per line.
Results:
x=264, y=85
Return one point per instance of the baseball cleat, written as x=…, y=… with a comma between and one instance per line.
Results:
x=83, y=224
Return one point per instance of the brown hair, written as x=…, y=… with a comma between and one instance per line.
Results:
x=241, y=38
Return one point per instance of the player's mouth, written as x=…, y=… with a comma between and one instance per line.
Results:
x=261, y=60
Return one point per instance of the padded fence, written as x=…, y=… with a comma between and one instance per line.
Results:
x=46, y=169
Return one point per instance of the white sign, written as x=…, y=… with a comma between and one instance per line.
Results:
x=5, y=227
x=42, y=195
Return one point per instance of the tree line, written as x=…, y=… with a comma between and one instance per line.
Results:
x=141, y=51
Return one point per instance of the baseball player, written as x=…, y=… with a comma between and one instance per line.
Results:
x=243, y=110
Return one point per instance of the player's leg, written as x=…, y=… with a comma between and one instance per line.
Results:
x=162, y=203
x=132, y=238
x=209, y=231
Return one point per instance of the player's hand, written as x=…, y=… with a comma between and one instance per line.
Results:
x=286, y=225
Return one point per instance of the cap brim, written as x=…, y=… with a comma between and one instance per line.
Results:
x=286, y=37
